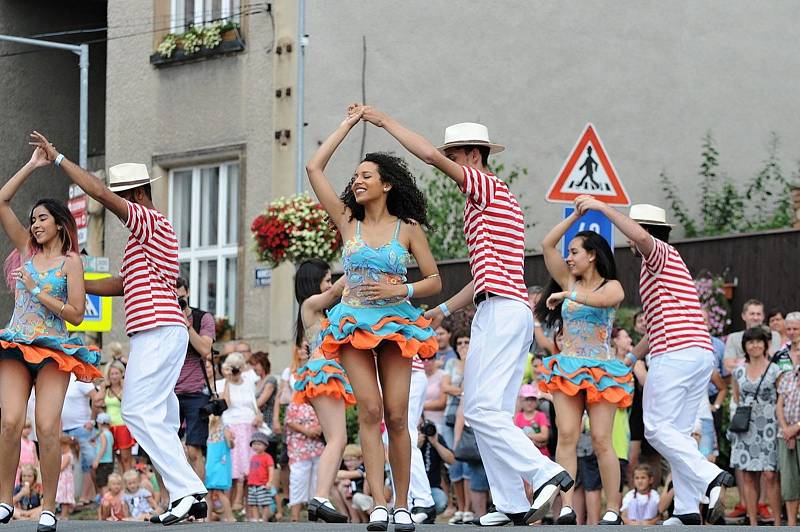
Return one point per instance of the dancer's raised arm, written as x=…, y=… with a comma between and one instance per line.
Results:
x=552, y=257
x=93, y=186
x=11, y=225
x=315, y=168
x=415, y=143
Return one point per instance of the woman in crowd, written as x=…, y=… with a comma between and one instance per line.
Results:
x=755, y=452
x=112, y=399
x=777, y=323
x=435, y=396
x=241, y=418
x=453, y=387
x=266, y=393
x=585, y=375
x=381, y=215
x=321, y=382
x=46, y=274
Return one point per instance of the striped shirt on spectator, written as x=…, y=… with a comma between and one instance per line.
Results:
x=417, y=364
x=670, y=302
x=149, y=271
x=495, y=231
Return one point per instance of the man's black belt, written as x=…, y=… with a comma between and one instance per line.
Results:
x=483, y=296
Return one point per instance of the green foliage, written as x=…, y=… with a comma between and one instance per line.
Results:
x=624, y=318
x=446, y=211
x=351, y=421
x=764, y=204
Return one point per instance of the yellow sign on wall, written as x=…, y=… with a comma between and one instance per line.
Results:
x=97, y=317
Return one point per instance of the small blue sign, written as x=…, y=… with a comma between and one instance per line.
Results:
x=591, y=221
x=94, y=309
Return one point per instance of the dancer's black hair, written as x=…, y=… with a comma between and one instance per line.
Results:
x=604, y=256
x=307, y=279
x=550, y=318
x=404, y=200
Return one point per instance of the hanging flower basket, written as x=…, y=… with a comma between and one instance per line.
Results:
x=713, y=294
x=295, y=229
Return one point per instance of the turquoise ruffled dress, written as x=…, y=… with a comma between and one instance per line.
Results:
x=586, y=361
x=365, y=323
x=36, y=336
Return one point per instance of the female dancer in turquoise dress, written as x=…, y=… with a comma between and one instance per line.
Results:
x=46, y=274
x=585, y=374
x=375, y=331
x=321, y=382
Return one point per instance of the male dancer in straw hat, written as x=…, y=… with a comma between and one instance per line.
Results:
x=154, y=321
x=502, y=329
x=681, y=359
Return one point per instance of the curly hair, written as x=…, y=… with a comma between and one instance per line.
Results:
x=405, y=200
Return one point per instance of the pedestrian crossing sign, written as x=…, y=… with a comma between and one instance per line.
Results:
x=97, y=316
x=588, y=170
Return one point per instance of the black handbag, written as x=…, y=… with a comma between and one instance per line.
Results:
x=467, y=448
x=740, y=422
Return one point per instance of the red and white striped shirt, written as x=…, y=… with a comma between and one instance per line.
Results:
x=495, y=232
x=149, y=271
x=670, y=302
x=417, y=364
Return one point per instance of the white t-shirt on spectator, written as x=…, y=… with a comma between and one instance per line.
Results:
x=640, y=506
x=241, y=403
x=733, y=345
x=77, y=408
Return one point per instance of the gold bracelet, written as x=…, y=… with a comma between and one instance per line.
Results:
x=431, y=276
x=62, y=309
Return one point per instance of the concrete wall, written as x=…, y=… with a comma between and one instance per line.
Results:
x=166, y=113
x=40, y=90
x=652, y=76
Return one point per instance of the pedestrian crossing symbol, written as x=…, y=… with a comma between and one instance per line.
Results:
x=588, y=170
x=97, y=316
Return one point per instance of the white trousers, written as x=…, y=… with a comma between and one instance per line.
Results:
x=303, y=481
x=502, y=332
x=676, y=383
x=419, y=489
x=150, y=407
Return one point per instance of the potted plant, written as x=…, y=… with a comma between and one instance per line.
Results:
x=224, y=329
x=211, y=35
x=230, y=31
x=191, y=40
x=168, y=45
x=711, y=292
x=295, y=229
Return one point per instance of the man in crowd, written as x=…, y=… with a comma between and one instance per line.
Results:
x=191, y=385
x=445, y=352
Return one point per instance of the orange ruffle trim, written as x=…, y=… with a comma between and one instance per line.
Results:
x=83, y=371
x=362, y=339
x=613, y=394
x=332, y=388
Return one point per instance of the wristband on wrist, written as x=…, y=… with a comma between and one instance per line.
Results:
x=59, y=158
x=410, y=288
x=36, y=291
x=631, y=357
x=444, y=309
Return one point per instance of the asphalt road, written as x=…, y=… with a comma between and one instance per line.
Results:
x=67, y=526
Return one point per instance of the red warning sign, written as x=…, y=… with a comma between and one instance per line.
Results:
x=588, y=170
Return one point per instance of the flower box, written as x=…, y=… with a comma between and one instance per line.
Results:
x=180, y=57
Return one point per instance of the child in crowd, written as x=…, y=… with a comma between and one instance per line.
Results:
x=531, y=420
x=28, y=494
x=351, y=485
x=104, y=457
x=304, y=446
x=218, y=469
x=27, y=449
x=261, y=480
x=138, y=500
x=640, y=505
x=65, y=492
x=112, y=505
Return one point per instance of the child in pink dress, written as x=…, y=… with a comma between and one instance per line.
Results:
x=65, y=492
x=27, y=450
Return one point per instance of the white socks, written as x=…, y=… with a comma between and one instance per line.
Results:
x=6, y=511
x=379, y=513
x=566, y=510
x=47, y=519
x=401, y=516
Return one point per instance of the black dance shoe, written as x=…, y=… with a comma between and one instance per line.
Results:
x=324, y=510
x=544, y=496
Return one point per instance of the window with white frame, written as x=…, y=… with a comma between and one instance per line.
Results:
x=204, y=207
x=185, y=13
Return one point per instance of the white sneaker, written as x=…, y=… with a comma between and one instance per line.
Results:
x=467, y=518
x=457, y=519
